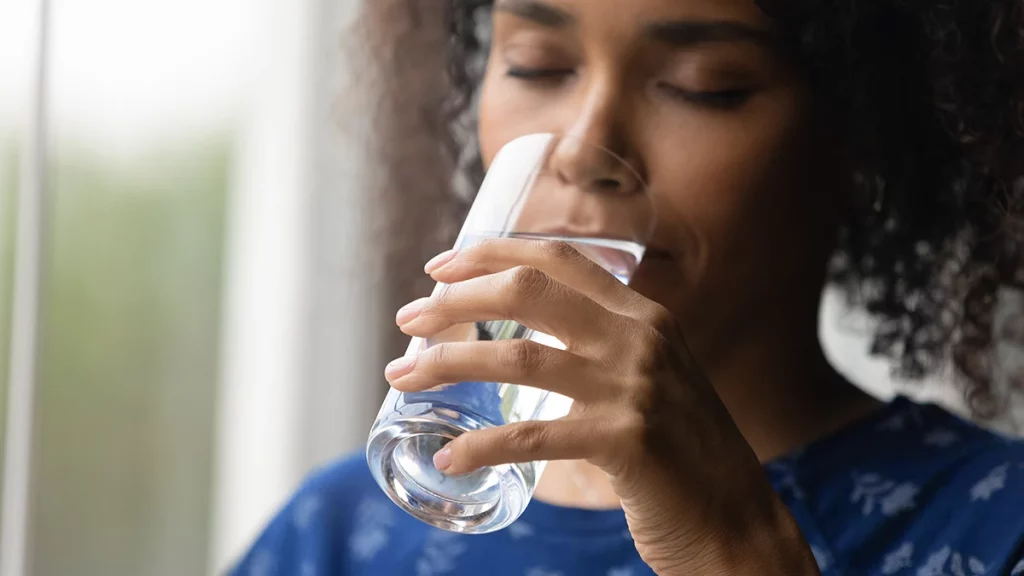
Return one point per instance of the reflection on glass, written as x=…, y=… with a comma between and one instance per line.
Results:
x=540, y=188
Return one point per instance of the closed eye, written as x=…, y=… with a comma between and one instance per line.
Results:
x=725, y=99
x=539, y=73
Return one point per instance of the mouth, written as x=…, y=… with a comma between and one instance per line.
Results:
x=653, y=251
x=577, y=232
x=657, y=253
x=570, y=232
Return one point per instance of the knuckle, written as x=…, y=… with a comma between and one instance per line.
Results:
x=524, y=355
x=527, y=438
x=660, y=319
x=561, y=250
x=438, y=365
x=648, y=362
x=631, y=428
x=527, y=281
x=442, y=300
x=651, y=352
x=642, y=395
x=630, y=432
x=654, y=335
x=439, y=355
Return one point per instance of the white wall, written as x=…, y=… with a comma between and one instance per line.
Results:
x=301, y=359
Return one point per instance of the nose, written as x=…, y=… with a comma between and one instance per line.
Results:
x=592, y=154
x=594, y=167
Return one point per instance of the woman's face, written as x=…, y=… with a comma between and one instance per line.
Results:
x=698, y=97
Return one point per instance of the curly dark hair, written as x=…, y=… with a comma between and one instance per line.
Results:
x=930, y=96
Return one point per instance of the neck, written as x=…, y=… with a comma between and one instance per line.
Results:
x=784, y=395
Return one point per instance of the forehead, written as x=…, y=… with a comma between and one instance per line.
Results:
x=637, y=12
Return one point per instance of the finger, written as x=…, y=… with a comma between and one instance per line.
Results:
x=514, y=361
x=572, y=264
x=522, y=294
x=564, y=439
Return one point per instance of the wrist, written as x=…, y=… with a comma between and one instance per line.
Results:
x=766, y=543
x=779, y=547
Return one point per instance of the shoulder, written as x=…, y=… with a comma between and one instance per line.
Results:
x=317, y=527
x=341, y=481
x=972, y=475
x=919, y=487
x=968, y=517
x=331, y=495
x=905, y=440
x=923, y=442
x=978, y=484
x=963, y=462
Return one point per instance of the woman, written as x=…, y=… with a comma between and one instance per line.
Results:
x=878, y=145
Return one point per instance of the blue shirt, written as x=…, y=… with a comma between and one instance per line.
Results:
x=911, y=490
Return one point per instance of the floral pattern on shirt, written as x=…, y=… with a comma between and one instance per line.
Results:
x=913, y=491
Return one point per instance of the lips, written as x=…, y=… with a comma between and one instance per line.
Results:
x=653, y=251
x=578, y=232
x=656, y=253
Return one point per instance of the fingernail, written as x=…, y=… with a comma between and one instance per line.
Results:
x=410, y=311
x=443, y=459
x=399, y=367
x=438, y=261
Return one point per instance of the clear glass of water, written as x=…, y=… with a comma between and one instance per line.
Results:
x=539, y=187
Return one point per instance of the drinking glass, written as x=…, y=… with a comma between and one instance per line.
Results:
x=538, y=187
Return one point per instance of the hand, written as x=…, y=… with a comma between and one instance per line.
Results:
x=695, y=496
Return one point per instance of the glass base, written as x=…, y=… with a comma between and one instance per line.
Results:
x=400, y=454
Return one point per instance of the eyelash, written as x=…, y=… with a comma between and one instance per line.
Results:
x=723, y=99
x=538, y=74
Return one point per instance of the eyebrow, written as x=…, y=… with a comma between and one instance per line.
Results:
x=684, y=33
x=680, y=33
x=536, y=12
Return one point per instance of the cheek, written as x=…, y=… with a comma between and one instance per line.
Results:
x=502, y=115
x=509, y=110
x=736, y=192
x=493, y=127
x=730, y=183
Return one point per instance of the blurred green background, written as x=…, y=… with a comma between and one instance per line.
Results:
x=128, y=355
x=8, y=186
